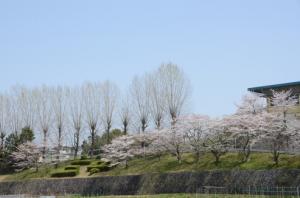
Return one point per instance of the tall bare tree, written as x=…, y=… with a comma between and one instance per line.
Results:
x=176, y=89
x=92, y=105
x=13, y=114
x=125, y=113
x=109, y=97
x=76, y=105
x=140, y=96
x=59, y=96
x=44, y=113
x=3, y=120
x=26, y=106
x=157, y=99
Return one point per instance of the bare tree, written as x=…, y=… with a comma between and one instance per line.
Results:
x=13, y=114
x=76, y=105
x=92, y=105
x=125, y=113
x=27, y=106
x=157, y=99
x=176, y=89
x=59, y=96
x=109, y=96
x=3, y=119
x=140, y=96
x=44, y=113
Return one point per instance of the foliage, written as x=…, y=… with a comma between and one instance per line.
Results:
x=65, y=173
x=81, y=162
x=101, y=168
x=72, y=167
x=93, y=171
x=26, y=156
x=26, y=135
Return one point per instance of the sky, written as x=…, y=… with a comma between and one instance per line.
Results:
x=224, y=47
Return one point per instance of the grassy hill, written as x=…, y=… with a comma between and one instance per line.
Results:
x=168, y=163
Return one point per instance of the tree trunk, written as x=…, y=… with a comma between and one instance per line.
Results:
x=93, y=131
x=76, y=143
x=59, y=143
x=44, y=144
x=125, y=129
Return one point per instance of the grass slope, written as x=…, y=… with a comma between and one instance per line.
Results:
x=258, y=161
x=168, y=163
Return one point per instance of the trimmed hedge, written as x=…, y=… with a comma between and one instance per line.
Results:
x=83, y=157
x=65, y=173
x=101, y=168
x=81, y=162
x=103, y=163
x=93, y=171
x=72, y=167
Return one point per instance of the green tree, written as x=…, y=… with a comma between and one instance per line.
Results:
x=26, y=135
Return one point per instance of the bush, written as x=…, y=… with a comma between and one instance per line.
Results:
x=98, y=157
x=81, y=162
x=93, y=171
x=83, y=157
x=103, y=163
x=100, y=168
x=73, y=167
x=65, y=173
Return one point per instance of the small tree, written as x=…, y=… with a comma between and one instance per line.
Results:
x=26, y=156
x=120, y=149
x=280, y=130
x=195, y=129
x=218, y=139
x=173, y=140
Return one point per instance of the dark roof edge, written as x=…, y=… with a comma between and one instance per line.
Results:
x=274, y=86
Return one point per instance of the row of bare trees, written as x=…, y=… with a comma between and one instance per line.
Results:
x=63, y=115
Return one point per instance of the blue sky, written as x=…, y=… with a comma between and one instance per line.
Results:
x=223, y=46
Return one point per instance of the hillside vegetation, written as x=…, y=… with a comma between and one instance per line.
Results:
x=168, y=163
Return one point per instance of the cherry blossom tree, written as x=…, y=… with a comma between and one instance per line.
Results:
x=26, y=156
x=218, y=139
x=278, y=129
x=195, y=129
x=121, y=149
x=246, y=122
x=173, y=140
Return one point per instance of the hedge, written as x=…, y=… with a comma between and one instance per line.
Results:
x=81, y=162
x=103, y=163
x=65, y=173
x=72, y=167
x=101, y=168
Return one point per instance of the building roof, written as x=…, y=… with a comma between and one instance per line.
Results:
x=276, y=86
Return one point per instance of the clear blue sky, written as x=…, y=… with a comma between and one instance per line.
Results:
x=223, y=46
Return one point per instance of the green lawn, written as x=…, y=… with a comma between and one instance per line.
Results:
x=168, y=163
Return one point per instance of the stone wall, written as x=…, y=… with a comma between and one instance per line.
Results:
x=191, y=182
